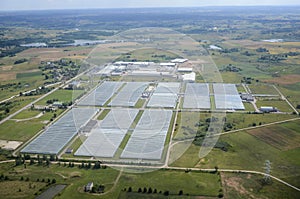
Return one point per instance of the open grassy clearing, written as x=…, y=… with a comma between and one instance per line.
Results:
x=247, y=153
x=17, y=103
x=186, y=125
x=28, y=113
x=19, y=189
x=62, y=96
x=292, y=93
x=148, y=54
x=242, y=120
x=231, y=77
x=263, y=89
x=281, y=105
x=140, y=103
x=294, y=125
x=278, y=136
x=245, y=186
x=192, y=183
x=24, y=130
x=75, y=146
x=249, y=107
x=285, y=79
x=74, y=177
x=103, y=114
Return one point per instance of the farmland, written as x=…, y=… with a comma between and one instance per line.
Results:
x=254, y=48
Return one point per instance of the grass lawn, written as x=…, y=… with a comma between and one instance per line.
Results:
x=20, y=131
x=28, y=113
x=248, y=107
x=19, y=189
x=24, y=130
x=62, y=96
x=140, y=103
x=192, y=183
x=281, y=105
x=231, y=77
x=246, y=186
x=242, y=120
x=248, y=153
x=103, y=114
x=263, y=89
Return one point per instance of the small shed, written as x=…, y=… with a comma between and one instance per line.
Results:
x=89, y=187
x=268, y=109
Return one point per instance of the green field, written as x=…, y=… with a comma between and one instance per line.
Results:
x=263, y=89
x=249, y=153
x=246, y=186
x=62, y=96
x=192, y=183
x=20, y=189
x=28, y=113
x=281, y=105
x=24, y=130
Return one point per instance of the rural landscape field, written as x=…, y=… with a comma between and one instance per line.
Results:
x=150, y=102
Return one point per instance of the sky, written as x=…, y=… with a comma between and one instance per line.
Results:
x=83, y=4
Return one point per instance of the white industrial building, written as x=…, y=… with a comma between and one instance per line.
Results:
x=190, y=77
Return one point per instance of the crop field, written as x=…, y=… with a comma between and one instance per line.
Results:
x=278, y=136
x=285, y=79
x=48, y=54
x=249, y=56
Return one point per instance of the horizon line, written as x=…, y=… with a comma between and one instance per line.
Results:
x=112, y=8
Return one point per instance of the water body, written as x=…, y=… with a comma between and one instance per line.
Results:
x=34, y=45
x=273, y=40
x=82, y=42
x=215, y=47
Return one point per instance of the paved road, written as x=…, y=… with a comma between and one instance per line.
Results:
x=27, y=106
x=35, y=101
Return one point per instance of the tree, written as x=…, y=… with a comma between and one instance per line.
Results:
x=216, y=169
x=166, y=193
x=31, y=161
x=145, y=190
x=52, y=157
x=7, y=110
x=129, y=189
x=53, y=181
x=155, y=191
x=150, y=190
x=180, y=192
x=140, y=190
x=97, y=165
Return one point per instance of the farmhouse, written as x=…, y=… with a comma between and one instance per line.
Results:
x=89, y=187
